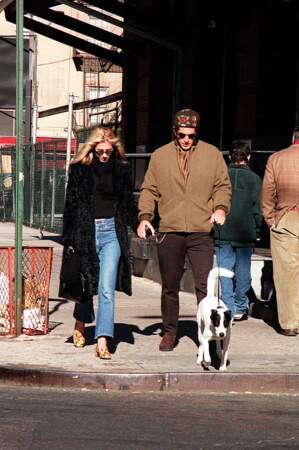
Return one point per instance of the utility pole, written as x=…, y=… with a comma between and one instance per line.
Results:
x=69, y=136
x=19, y=182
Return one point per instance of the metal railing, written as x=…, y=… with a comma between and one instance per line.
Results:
x=44, y=181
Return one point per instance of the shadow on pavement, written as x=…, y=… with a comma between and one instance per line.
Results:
x=59, y=303
x=53, y=325
x=215, y=361
x=57, y=239
x=188, y=328
x=89, y=336
x=124, y=332
x=186, y=316
x=265, y=309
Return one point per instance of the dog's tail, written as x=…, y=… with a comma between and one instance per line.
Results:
x=213, y=275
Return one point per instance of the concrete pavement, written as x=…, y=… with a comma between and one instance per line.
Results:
x=261, y=360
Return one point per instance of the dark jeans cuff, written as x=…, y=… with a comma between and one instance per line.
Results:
x=84, y=312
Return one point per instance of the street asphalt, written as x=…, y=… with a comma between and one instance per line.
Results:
x=66, y=419
x=261, y=360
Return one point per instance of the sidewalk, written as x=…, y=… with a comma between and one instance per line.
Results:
x=260, y=359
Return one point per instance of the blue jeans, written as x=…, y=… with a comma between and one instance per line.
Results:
x=108, y=251
x=233, y=292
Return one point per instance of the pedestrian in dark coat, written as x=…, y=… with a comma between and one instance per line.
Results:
x=98, y=209
x=235, y=240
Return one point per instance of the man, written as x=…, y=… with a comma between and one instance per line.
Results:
x=188, y=180
x=280, y=206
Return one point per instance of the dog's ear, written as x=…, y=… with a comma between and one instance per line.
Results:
x=215, y=317
x=227, y=316
x=213, y=313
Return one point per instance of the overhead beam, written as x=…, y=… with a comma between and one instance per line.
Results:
x=91, y=31
x=178, y=54
x=73, y=41
x=4, y=3
x=82, y=105
x=128, y=27
x=124, y=10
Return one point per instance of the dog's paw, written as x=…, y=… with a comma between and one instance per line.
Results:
x=206, y=364
x=222, y=368
x=199, y=361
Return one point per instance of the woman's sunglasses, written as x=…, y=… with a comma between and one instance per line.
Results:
x=183, y=135
x=102, y=151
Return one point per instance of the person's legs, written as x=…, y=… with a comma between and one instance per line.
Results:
x=109, y=252
x=200, y=250
x=171, y=254
x=83, y=313
x=285, y=257
x=242, y=278
x=78, y=334
x=226, y=258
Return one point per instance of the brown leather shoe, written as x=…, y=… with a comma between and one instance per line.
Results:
x=167, y=342
x=289, y=332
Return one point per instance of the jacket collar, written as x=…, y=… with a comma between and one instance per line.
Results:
x=239, y=166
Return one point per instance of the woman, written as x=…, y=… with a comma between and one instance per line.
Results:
x=99, y=205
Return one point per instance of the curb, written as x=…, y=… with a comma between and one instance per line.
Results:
x=205, y=383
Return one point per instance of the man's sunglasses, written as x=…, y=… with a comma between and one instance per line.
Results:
x=183, y=135
x=102, y=151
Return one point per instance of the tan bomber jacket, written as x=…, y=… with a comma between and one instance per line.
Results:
x=280, y=191
x=185, y=207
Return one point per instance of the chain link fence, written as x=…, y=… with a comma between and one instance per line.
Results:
x=44, y=184
x=7, y=170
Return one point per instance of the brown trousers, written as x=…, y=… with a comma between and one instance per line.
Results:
x=172, y=250
x=285, y=256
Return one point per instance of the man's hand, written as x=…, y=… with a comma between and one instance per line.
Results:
x=142, y=227
x=218, y=217
x=70, y=250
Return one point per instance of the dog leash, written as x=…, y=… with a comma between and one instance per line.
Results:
x=218, y=278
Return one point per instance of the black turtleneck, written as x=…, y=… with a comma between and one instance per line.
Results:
x=105, y=198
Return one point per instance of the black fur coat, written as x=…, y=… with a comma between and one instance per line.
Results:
x=79, y=227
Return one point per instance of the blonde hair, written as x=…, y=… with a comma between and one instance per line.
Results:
x=84, y=154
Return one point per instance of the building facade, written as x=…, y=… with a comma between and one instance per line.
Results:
x=51, y=76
